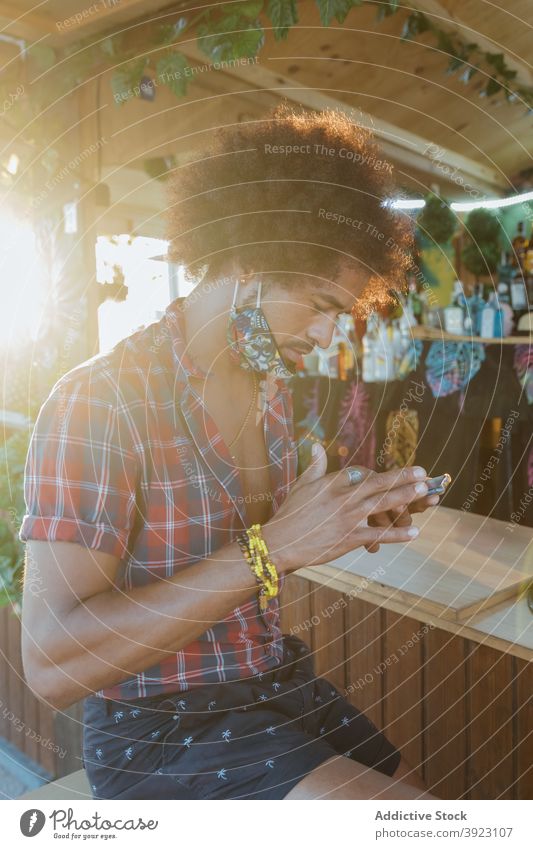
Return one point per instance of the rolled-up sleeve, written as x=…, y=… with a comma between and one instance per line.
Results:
x=81, y=473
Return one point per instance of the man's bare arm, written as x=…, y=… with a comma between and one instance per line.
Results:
x=80, y=635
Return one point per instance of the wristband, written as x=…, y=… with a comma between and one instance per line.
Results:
x=255, y=551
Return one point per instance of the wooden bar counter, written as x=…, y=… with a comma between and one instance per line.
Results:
x=433, y=640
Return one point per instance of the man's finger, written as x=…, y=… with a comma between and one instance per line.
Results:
x=370, y=535
x=382, y=501
x=423, y=503
x=382, y=481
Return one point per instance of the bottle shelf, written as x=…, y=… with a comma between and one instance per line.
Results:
x=434, y=334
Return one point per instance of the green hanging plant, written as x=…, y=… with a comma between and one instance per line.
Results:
x=482, y=251
x=436, y=221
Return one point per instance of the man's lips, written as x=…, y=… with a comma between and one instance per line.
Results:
x=295, y=355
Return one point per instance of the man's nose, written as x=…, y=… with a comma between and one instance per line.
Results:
x=321, y=332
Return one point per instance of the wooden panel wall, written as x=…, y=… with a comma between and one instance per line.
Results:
x=51, y=738
x=460, y=712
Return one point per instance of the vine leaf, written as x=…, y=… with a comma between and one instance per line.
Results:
x=43, y=56
x=234, y=36
x=283, y=14
x=492, y=87
x=126, y=77
x=171, y=72
x=414, y=25
x=386, y=9
x=337, y=9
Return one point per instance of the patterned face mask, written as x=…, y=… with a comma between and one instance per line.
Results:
x=251, y=341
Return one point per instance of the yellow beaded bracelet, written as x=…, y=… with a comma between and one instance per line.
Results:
x=257, y=556
x=262, y=556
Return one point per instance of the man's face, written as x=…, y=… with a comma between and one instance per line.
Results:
x=304, y=314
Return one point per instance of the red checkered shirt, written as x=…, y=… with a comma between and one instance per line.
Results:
x=124, y=458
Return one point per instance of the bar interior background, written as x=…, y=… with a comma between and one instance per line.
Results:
x=98, y=103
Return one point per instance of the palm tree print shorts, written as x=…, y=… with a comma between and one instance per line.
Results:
x=246, y=739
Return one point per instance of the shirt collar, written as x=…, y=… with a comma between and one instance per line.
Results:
x=184, y=363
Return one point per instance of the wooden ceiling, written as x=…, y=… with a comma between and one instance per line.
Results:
x=400, y=86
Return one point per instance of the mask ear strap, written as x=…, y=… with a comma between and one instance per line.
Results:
x=234, y=302
x=258, y=302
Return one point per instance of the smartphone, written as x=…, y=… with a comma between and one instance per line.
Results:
x=439, y=484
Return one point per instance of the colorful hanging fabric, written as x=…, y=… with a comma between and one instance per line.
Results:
x=309, y=429
x=399, y=447
x=450, y=366
x=523, y=363
x=356, y=431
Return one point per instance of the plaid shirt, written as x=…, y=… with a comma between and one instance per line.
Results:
x=124, y=458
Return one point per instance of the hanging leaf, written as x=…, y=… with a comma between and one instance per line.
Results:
x=169, y=33
x=107, y=46
x=251, y=9
x=387, y=9
x=445, y=43
x=232, y=37
x=43, y=56
x=454, y=64
x=283, y=14
x=126, y=78
x=468, y=73
x=414, y=25
x=497, y=61
x=171, y=72
x=337, y=9
x=492, y=87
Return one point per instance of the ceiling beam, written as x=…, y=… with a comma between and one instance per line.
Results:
x=108, y=12
x=451, y=22
x=396, y=142
x=94, y=17
x=26, y=24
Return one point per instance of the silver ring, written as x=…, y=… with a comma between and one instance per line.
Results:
x=354, y=476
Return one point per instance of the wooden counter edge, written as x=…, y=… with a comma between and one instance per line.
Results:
x=350, y=584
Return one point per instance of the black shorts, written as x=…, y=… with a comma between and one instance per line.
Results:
x=247, y=739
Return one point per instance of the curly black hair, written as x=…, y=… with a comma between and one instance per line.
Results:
x=295, y=192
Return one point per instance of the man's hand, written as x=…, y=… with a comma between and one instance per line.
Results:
x=399, y=517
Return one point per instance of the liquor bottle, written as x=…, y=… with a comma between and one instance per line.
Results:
x=492, y=319
x=397, y=344
x=384, y=354
x=369, y=349
x=518, y=295
x=528, y=263
x=519, y=247
x=503, y=300
x=475, y=306
x=454, y=314
x=414, y=300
